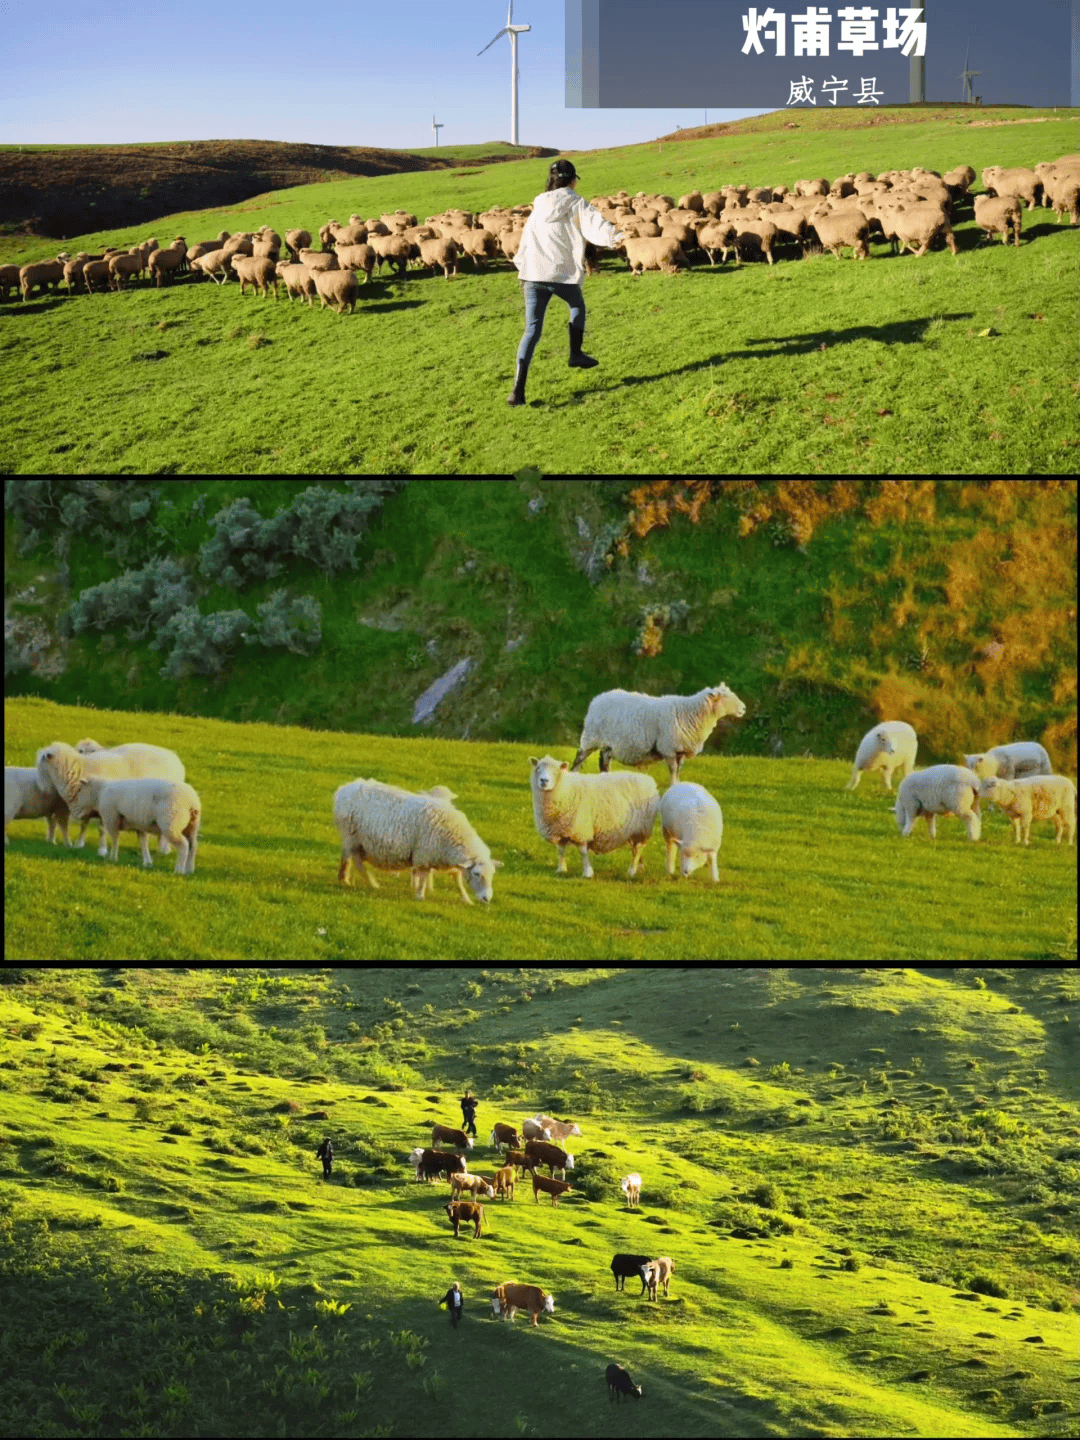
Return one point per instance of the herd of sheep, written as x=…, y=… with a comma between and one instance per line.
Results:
x=909, y=209
x=143, y=788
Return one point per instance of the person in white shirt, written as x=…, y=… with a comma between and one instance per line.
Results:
x=550, y=261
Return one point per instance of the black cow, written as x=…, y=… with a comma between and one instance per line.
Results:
x=620, y=1384
x=624, y=1265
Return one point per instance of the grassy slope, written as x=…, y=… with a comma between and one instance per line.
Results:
x=807, y=871
x=878, y=367
x=819, y=642
x=941, y=1172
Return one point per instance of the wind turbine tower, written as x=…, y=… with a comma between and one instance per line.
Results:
x=513, y=31
x=917, y=75
x=435, y=129
x=968, y=75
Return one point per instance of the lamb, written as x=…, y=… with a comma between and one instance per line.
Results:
x=319, y=259
x=337, y=289
x=691, y=820
x=394, y=829
x=999, y=213
x=26, y=799
x=940, y=790
x=651, y=253
x=168, y=808
x=593, y=812
x=890, y=746
x=299, y=280
x=444, y=252
x=640, y=729
x=1018, y=180
x=357, y=257
x=61, y=767
x=1034, y=797
x=40, y=274
x=842, y=227
x=258, y=271
x=295, y=241
x=1008, y=762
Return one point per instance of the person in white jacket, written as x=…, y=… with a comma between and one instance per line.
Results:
x=550, y=261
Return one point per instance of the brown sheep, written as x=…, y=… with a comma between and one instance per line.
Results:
x=123, y=267
x=1018, y=180
x=357, y=257
x=98, y=270
x=161, y=264
x=664, y=253
x=218, y=261
x=337, y=289
x=842, y=227
x=295, y=241
x=717, y=235
x=441, y=252
x=9, y=278
x=41, y=273
x=479, y=245
x=258, y=271
x=999, y=213
x=756, y=236
x=299, y=280
x=73, y=272
x=921, y=224
x=319, y=259
x=395, y=250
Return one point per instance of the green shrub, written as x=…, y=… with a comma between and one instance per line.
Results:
x=769, y=1196
x=199, y=644
x=988, y=1285
x=851, y=1263
x=138, y=599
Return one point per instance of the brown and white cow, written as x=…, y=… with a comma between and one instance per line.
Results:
x=533, y=1130
x=553, y=1156
x=503, y=1135
x=630, y=1185
x=554, y=1188
x=504, y=1182
x=557, y=1129
x=439, y=1162
x=658, y=1272
x=445, y=1134
x=521, y=1160
x=475, y=1184
x=507, y=1299
x=465, y=1210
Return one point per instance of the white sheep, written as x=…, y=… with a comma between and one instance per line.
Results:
x=940, y=790
x=168, y=808
x=1007, y=762
x=26, y=799
x=62, y=767
x=1034, y=797
x=691, y=820
x=890, y=746
x=395, y=829
x=593, y=812
x=640, y=729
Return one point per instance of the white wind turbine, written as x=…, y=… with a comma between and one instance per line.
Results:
x=968, y=75
x=435, y=129
x=513, y=31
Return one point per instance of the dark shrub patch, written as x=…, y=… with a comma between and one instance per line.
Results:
x=987, y=1285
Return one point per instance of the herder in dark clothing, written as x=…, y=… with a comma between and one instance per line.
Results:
x=453, y=1302
x=325, y=1152
x=468, y=1114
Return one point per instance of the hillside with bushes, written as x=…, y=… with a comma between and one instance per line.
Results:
x=824, y=604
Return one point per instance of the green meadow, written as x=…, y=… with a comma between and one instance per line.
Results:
x=866, y=1179
x=946, y=364
x=807, y=871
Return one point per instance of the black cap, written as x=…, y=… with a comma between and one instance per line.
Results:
x=563, y=169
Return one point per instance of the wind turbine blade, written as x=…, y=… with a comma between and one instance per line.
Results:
x=488, y=46
x=510, y=13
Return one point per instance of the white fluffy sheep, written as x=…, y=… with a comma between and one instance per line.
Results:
x=890, y=746
x=940, y=790
x=640, y=729
x=26, y=799
x=1007, y=762
x=395, y=829
x=1034, y=797
x=593, y=812
x=62, y=767
x=168, y=808
x=692, y=821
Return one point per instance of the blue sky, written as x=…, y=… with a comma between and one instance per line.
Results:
x=109, y=73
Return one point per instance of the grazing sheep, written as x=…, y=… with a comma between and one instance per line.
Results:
x=212, y=264
x=1008, y=762
x=594, y=812
x=64, y=769
x=319, y=259
x=161, y=264
x=848, y=226
x=1034, y=797
x=630, y=1185
x=890, y=746
x=337, y=289
x=999, y=214
x=395, y=829
x=73, y=272
x=299, y=280
x=444, y=252
x=655, y=253
x=357, y=257
x=41, y=273
x=691, y=820
x=258, y=271
x=1017, y=180
x=168, y=808
x=639, y=729
x=295, y=241
x=26, y=799
x=940, y=790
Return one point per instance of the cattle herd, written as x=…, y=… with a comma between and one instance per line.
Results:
x=531, y=1148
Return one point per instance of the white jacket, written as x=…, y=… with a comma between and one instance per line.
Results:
x=553, y=241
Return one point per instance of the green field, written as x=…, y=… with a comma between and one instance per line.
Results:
x=946, y=364
x=866, y=1179
x=807, y=871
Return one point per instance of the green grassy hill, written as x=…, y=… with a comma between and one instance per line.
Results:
x=946, y=364
x=867, y=1181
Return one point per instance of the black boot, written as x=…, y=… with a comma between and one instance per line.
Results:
x=517, y=395
x=577, y=359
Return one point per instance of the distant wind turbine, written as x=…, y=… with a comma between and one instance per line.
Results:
x=968, y=75
x=513, y=31
x=436, y=128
